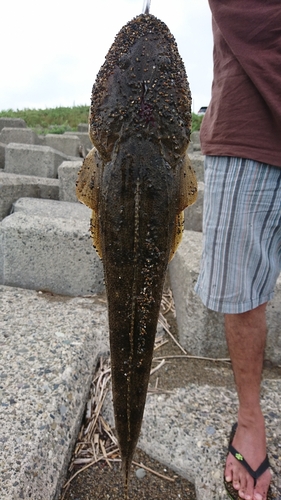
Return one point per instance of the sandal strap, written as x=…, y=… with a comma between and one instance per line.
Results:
x=254, y=473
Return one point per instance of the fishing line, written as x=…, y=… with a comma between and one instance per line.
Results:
x=146, y=6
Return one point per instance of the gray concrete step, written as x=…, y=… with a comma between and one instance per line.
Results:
x=189, y=431
x=12, y=122
x=67, y=144
x=68, y=173
x=13, y=187
x=46, y=245
x=49, y=349
x=193, y=215
x=20, y=135
x=40, y=161
x=197, y=162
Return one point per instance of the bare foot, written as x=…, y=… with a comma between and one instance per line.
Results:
x=250, y=441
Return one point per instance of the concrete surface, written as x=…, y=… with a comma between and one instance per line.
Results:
x=189, y=430
x=201, y=330
x=197, y=162
x=68, y=173
x=49, y=253
x=19, y=135
x=2, y=155
x=14, y=186
x=83, y=127
x=193, y=215
x=53, y=208
x=12, y=122
x=83, y=138
x=49, y=348
x=50, y=345
x=195, y=139
x=25, y=159
x=67, y=144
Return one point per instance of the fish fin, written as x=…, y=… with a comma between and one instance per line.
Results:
x=87, y=191
x=178, y=232
x=95, y=233
x=188, y=184
x=187, y=196
x=88, y=182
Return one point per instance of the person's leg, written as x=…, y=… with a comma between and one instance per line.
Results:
x=240, y=264
x=246, y=336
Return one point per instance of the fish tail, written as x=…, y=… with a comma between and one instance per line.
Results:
x=126, y=472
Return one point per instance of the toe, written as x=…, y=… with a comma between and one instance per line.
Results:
x=236, y=480
x=257, y=496
x=228, y=471
x=247, y=489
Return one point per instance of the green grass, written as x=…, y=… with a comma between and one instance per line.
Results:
x=60, y=120
x=52, y=120
x=196, y=122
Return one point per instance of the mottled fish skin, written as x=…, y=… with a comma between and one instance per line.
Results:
x=137, y=180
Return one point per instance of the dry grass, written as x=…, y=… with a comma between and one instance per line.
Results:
x=96, y=441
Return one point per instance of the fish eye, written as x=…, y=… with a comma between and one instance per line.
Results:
x=163, y=62
x=124, y=61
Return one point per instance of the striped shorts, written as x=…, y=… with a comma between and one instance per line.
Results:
x=241, y=257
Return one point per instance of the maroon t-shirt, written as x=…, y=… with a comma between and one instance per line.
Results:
x=244, y=116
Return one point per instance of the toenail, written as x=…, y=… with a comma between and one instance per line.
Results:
x=228, y=479
x=257, y=496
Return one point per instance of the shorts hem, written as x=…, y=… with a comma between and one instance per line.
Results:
x=221, y=306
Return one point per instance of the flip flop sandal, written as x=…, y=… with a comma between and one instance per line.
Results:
x=232, y=492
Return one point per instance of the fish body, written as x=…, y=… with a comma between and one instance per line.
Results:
x=137, y=180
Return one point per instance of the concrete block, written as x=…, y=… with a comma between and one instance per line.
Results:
x=195, y=139
x=193, y=215
x=19, y=135
x=12, y=122
x=2, y=155
x=53, y=209
x=273, y=316
x=83, y=127
x=1, y=257
x=13, y=187
x=67, y=173
x=26, y=159
x=54, y=255
x=41, y=140
x=85, y=143
x=49, y=348
x=67, y=144
x=197, y=162
x=201, y=331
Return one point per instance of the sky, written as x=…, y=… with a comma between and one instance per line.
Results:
x=51, y=51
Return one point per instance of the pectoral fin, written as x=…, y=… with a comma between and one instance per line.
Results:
x=178, y=232
x=88, y=182
x=88, y=192
x=188, y=184
x=187, y=196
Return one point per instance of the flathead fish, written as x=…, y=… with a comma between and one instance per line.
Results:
x=137, y=180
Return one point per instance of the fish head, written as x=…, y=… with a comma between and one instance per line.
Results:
x=142, y=92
